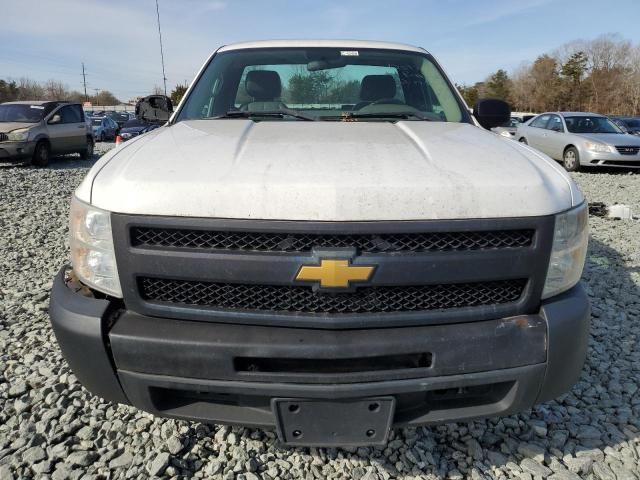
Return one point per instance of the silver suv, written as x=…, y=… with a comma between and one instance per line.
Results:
x=35, y=130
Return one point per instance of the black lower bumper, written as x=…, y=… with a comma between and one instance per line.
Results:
x=231, y=373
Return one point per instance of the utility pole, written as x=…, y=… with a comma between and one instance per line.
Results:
x=164, y=78
x=84, y=82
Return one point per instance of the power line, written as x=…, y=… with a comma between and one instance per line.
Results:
x=164, y=78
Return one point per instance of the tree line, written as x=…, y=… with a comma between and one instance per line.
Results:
x=600, y=75
x=27, y=89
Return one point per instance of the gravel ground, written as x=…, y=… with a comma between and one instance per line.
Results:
x=50, y=427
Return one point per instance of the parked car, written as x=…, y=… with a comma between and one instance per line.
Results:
x=331, y=268
x=628, y=124
x=508, y=128
x=119, y=117
x=135, y=127
x=35, y=130
x=581, y=139
x=104, y=128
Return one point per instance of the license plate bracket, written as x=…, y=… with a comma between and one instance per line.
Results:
x=333, y=423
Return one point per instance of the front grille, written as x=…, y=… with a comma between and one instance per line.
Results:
x=304, y=242
x=628, y=150
x=4, y=137
x=305, y=300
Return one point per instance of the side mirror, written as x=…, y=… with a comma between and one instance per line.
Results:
x=55, y=119
x=154, y=108
x=491, y=112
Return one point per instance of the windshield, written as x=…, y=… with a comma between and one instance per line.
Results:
x=584, y=124
x=21, y=113
x=323, y=83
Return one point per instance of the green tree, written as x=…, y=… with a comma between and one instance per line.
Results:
x=8, y=91
x=498, y=85
x=178, y=92
x=573, y=72
x=470, y=93
x=344, y=92
x=311, y=88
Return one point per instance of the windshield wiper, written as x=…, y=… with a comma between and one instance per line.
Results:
x=347, y=116
x=270, y=113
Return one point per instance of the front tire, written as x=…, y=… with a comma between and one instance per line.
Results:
x=102, y=137
x=571, y=159
x=87, y=153
x=41, y=154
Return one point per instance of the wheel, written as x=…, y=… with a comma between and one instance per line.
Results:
x=523, y=140
x=87, y=153
x=571, y=159
x=41, y=154
x=102, y=137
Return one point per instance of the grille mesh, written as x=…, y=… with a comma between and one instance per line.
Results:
x=628, y=150
x=4, y=137
x=305, y=300
x=303, y=242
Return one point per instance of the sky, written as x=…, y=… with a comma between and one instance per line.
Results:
x=118, y=39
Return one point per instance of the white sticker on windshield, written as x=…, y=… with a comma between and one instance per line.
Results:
x=349, y=53
x=39, y=107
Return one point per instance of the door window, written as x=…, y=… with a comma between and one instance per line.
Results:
x=79, y=111
x=555, y=124
x=540, y=122
x=70, y=114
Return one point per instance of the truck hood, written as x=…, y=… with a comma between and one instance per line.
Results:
x=6, y=127
x=333, y=171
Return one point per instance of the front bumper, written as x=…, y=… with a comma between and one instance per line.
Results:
x=230, y=373
x=606, y=159
x=14, y=152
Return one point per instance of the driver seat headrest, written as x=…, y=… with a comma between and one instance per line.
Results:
x=377, y=87
x=263, y=85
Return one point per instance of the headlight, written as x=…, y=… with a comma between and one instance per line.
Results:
x=18, y=135
x=92, y=253
x=570, y=239
x=505, y=133
x=599, y=147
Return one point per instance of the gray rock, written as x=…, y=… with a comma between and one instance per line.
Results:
x=81, y=458
x=564, y=475
x=5, y=473
x=159, y=464
x=602, y=472
x=534, y=468
x=532, y=450
x=174, y=445
x=122, y=461
x=33, y=455
x=474, y=449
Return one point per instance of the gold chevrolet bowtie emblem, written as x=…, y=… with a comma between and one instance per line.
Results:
x=334, y=273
